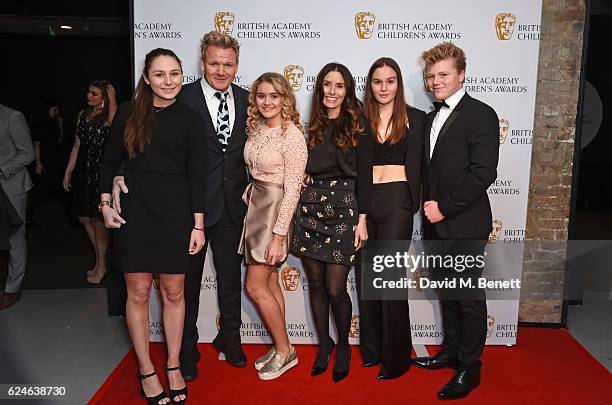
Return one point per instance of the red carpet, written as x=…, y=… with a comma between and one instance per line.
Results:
x=546, y=367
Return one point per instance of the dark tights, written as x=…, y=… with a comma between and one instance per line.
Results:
x=327, y=284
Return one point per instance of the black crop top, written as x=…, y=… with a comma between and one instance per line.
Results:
x=387, y=154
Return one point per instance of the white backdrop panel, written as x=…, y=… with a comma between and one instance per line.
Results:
x=501, y=71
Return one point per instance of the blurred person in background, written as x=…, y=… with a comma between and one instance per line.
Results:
x=93, y=128
x=16, y=153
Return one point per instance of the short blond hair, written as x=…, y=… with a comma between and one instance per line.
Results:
x=443, y=51
x=216, y=38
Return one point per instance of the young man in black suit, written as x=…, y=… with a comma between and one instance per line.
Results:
x=223, y=107
x=461, y=151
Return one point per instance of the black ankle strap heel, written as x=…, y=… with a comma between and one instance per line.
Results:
x=151, y=400
x=181, y=391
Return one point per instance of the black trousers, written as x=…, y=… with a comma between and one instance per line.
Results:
x=385, y=324
x=464, y=311
x=223, y=237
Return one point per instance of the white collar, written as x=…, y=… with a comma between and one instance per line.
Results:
x=209, y=91
x=453, y=100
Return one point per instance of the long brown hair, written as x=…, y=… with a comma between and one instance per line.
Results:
x=396, y=127
x=140, y=124
x=348, y=125
x=102, y=116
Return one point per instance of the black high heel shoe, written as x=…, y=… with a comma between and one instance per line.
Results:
x=151, y=400
x=339, y=375
x=316, y=369
x=181, y=391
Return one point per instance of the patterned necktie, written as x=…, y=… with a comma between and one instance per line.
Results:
x=223, y=121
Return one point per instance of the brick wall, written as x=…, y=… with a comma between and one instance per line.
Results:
x=552, y=158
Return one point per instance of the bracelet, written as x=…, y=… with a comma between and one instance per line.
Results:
x=104, y=203
x=198, y=229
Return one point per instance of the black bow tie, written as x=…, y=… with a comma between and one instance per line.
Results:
x=440, y=104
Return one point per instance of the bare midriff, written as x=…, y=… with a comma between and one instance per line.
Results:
x=388, y=173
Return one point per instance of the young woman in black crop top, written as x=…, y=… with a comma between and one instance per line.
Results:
x=330, y=222
x=397, y=136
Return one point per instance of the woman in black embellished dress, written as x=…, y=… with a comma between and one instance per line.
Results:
x=331, y=215
x=93, y=127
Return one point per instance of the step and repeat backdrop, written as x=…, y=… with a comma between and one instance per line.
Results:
x=501, y=40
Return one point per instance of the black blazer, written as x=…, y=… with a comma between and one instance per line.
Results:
x=226, y=176
x=414, y=154
x=462, y=167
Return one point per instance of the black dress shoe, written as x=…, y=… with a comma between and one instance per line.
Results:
x=322, y=360
x=462, y=383
x=189, y=356
x=189, y=371
x=235, y=355
x=339, y=374
x=370, y=363
x=440, y=360
x=232, y=349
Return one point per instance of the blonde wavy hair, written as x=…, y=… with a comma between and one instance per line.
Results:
x=289, y=111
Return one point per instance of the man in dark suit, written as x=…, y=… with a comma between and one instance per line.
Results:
x=223, y=106
x=460, y=162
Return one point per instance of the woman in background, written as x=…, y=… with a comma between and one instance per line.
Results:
x=397, y=136
x=93, y=127
x=276, y=155
x=331, y=216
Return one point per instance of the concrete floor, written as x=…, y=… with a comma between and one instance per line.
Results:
x=63, y=338
x=591, y=324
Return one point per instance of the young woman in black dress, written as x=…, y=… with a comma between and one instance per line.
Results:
x=330, y=222
x=161, y=227
x=93, y=127
x=397, y=135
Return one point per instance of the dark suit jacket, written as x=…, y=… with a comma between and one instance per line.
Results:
x=462, y=167
x=414, y=155
x=226, y=172
x=16, y=152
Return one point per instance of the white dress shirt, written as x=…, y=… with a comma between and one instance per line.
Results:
x=212, y=102
x=441, y=118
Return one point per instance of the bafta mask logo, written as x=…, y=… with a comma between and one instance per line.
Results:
x=290, y=277
x=490, y=324
x=218, y=321
x=504, y=25
x=354, y=331
x=496, y=231
x=364, y=24
x=294, y=74
x=504, y=127
x=156, y=281
x=224, y=22
x=418, y=274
